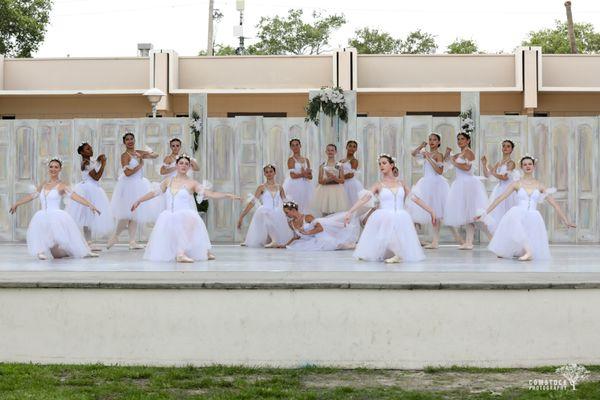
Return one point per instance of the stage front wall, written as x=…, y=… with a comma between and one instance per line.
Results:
x=237, y=148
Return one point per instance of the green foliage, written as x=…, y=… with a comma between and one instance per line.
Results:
x=374, y=41
x=418, y=42
x=556, y=40
x=292, y=35
x=463, y=46
x=331, y=101
x=220, y=50
x=23, y=26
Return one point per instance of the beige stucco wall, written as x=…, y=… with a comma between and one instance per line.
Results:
x=499, y=103
x=397, y=104
x=569, y=104
x=292, y=104
x=569, y=70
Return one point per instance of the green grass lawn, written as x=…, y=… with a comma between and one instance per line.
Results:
x=41, y=382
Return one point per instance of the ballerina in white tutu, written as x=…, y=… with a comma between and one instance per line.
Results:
x=298, y=185
x=269, y=226
x=169, y=169
x=320, y=234
x=352, y=184
x=52, y=230
x=131, y=185
x=432, y=188
x=521, y=232
x=179, y=233
x=389, y=233
x=93, y=225
x=503, y=171
x=330, y=196
x=467, y=193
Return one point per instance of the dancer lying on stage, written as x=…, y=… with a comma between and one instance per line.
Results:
x=269, y=226
x=522, y=232
x=93, y=225
x=389, y=233
x=432, y=188
x=298, y=185
x=352, y=184
x=330, y=196
x=179, y=233
x=131, y=185
x=316, y=234
x=503, y=171
x=467, y=193
x=52, y=230
x=169, y=169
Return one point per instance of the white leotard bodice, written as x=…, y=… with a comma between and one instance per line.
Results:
x=529, y=201
x=271, y=200
x=133, y=162
x=388, y=200
x=50, y=200
x=459, y=172
x=85, y=174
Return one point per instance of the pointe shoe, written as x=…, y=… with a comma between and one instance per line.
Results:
x=95, y=248
x=184, y=259
x=42, y=256
x=135, y=246
x=431, y=246
x=111, y=242
x=393, y=260
x=211, y=257
x=91, y=255
x=243, y=244
x=465, y=247
x=525, y=257
x=270, y=245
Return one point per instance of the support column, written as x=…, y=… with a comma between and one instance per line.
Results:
x=159, y=76
x=198, y=104
x=530, y=78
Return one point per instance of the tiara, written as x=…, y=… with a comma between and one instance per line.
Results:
x=82, y=143
x=527, y=155
x=290, y=204
x=179, y=157
x=507, y=139
x=388, y=156
x=295, y=138
x=352, y=140
x=268, y=165
x=128, y=132
x=50, y=159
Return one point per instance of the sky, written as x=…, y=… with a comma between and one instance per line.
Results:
x=104, y=28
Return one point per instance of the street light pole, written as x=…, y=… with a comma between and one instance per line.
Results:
x=240, y=5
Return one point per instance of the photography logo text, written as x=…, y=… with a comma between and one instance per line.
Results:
x=572, y=374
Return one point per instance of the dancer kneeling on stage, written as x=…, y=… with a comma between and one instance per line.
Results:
x=316, y=234
x=179, y=233
x=52, y=230
x=269, y=227
x=389, y=233
x=521, y=231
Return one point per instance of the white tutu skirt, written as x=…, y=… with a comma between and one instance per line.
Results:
x=268, y=224
x=55, y=228
x=335, y=235
x=300, y=191
x=176, y=233
x=352, y=187
x=329, y=199
x=502, y=208
x=388, y=233
x=520, y=228
x=127, y=191
x=100, y=225
x=467, y=195
x=433, y=190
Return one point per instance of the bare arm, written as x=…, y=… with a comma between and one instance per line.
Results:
x=150, y=195
x=96, y=175
x=504, y=177
x=83, y=201
x=484, y=164
x=416, y=151
x=308, y=171
x=25, y=199
x=195, y=166
x=361, y=202
x=322, y=180
x=354, y=165
x=434, y=161
x=249, y=206
x=340, y=178
x=420, y=203
x=125, y=158
x=511, y=188
x=164, y=170
x=560, y=212
x=317, y=228
x=291, y=165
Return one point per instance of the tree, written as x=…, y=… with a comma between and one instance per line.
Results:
x=373, y=41
x=556, y=40
x=463, y=46
x=220, y=50
x=23, y=26
x=291, y=35
x=418, y=42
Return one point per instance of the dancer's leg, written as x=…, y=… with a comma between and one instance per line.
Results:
x=121, y=226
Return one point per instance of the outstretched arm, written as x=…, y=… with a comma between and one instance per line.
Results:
x=361, y=202
x=511, y=188
x=560, y=213
x=218, y=195
x=151, y=195
x=249, y=206
x=25, y=199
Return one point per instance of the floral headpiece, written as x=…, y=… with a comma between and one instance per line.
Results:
x=352, y=140
x=388, y=156
x=507, y=139
x=528, y=156
x=295, y=139
x=56, y=158
x=179, y=157
x=269, y=165
x=290, y=204
x=127, y=132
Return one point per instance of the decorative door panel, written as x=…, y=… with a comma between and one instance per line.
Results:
x=6, y=180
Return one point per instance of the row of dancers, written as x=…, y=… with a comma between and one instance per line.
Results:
x=388, y=210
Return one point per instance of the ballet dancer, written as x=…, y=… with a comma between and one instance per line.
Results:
x=298, y=185
x=131, y=185
x=93, y=225
x=503, y=171
x=52, y=230
x=352, y=185
x=179, y=233
x=169, y=169
x=521, y=232
x=467, y=193
x=269, y=226
x=432, y=188
x=330, y=196
x=389, y=233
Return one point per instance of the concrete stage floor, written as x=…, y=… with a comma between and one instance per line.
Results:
x=572, y=266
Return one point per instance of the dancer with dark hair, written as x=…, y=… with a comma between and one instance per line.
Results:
x=330, y=196
x=94, y=225
x=352, y=184
x=168, y=169
x=320, y=234
x=503, y=171
x=179, y=233
x=522, y=232
x=298, y=185
x=467, y=193
x=52, y=230
x=432, y=188
x=131, y=185
x=269, y=226
x=389, y=233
